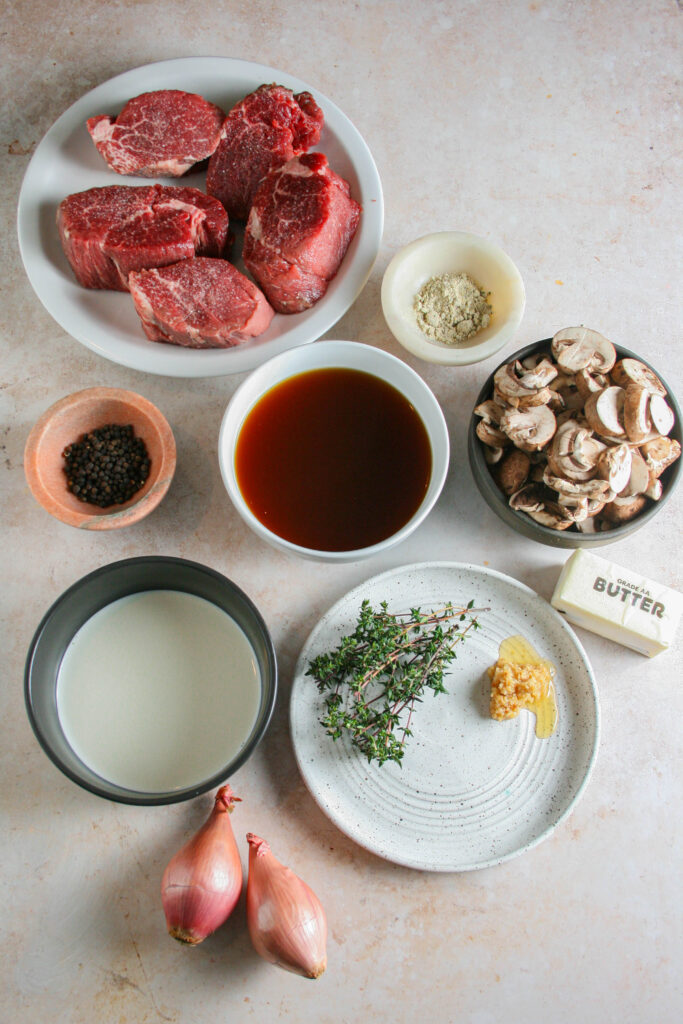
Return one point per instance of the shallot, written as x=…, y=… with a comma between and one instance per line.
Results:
x=202, y=883
x=286, y=920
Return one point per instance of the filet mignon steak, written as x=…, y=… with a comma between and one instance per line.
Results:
x=300, y=226
x=199, y=303
x=263, y=131
x=107, y=232
x=158, y=133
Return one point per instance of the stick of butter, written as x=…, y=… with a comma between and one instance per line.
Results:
x=617, y=603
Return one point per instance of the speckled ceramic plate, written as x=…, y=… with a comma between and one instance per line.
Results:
x=472, y=792
x=66, y=161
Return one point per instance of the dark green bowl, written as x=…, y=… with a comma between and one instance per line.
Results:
x=92, y=593
x=522, y=523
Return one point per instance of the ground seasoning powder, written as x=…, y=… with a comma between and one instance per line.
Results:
x=451, y=308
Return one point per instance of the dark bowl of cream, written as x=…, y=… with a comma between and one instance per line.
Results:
x=151, y=680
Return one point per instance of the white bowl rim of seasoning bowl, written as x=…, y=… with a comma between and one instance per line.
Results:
x=331, y=355
x=455, y=252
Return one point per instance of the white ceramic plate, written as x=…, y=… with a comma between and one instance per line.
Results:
x=472, y=792
x=66, y=161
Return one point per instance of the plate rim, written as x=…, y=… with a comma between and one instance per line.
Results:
x=574, y=640
x=206, y=362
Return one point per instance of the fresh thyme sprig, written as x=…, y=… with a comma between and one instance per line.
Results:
x=377, y=674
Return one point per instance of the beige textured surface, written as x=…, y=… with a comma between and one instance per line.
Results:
x=554, y=129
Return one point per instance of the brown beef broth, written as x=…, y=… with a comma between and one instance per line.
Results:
x=333, y=459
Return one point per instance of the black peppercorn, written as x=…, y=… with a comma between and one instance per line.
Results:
x=106, y=466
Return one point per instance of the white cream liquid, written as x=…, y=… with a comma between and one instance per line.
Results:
x=158, y=691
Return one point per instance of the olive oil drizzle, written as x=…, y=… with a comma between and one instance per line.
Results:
x=518, y=651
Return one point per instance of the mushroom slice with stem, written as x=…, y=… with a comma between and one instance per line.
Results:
x=490, y=435
x=490, y=411
x=659, y=454
x=574, y=452
x=527, y=499
x=520, y=386
x=632, y=371
x=604, y=411
x=614, y=466
x=596, y=489
x=529, y=429
x=555, y=520
x=588, y=383
x=579, y=348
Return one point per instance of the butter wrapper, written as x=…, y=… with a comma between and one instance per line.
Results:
x=617, y=603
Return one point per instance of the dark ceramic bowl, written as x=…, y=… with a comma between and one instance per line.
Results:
x=522, y=523
x=99, y=589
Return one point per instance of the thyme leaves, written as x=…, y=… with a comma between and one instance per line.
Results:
x=373, y=681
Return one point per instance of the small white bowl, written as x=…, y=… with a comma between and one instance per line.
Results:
x=453, y=252
x=326, y=355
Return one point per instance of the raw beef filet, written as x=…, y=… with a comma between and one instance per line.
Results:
x=163, y=132
x=265, y=129
x=199, y=303
x=107, y=232
x=299, y=228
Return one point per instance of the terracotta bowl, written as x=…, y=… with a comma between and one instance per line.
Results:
x=67, y=421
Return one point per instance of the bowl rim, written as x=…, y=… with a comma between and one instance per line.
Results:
x=137, y=507
x=314, y=357
x=498, y=503
x=433, y=351
x=123, y=795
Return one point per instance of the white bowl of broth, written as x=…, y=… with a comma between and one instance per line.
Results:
x=335, y=452
x=151, y=680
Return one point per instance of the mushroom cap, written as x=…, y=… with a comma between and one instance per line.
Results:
x=637, y=422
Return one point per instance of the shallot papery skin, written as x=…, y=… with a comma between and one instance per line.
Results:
x=202, y=883
x=286, y=921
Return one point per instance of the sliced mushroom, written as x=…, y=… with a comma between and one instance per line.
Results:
x=579, y=348
x=623, y=510
x=655, y=490
x=637, y=422
x=574, y=513
x=554, y=520
x=529, y=429
x=605, y=411
x=527, y=499
x=490, y=411
x=513, y=471
x=661, y=415
x=589, y=525
x=566, y=389
x=574, y=452
x=490, y=435
x=632, y=371
x=588, y=383
x=614, y=466
x=597, y=489
x=639, y=477
x=521, y=387
x=660, y=454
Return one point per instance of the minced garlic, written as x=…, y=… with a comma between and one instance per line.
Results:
x=514, y=687
x=451, y=308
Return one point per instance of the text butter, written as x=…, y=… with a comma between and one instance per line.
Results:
x=617, y=604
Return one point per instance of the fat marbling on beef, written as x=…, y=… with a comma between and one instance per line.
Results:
x=264, y=130
x=199, y=303
x=300, y=226
x=158, y=133
x=108, y=232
